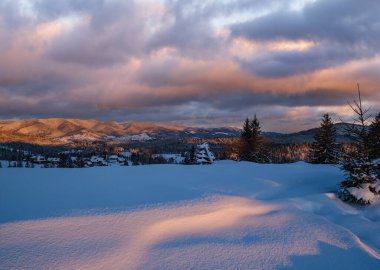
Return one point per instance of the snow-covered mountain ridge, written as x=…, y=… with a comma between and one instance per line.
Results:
x=69, y=130
x=61, y=131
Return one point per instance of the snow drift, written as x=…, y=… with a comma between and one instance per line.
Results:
x=225, y=216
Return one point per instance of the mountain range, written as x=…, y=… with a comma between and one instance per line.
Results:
x=62, y=131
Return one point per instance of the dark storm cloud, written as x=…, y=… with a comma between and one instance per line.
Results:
x=284, y=63
x=241, y=100
x=345, y=21
x=343, y=31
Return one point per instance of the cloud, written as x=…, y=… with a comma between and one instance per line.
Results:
x=192, y=62
x=105, y=34
x=186, y=25
x=342, y=31
x=285, y=63
x=347, y=22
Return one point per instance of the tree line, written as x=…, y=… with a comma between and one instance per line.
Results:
x=359, y=159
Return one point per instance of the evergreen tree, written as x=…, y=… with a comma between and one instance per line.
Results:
x=324, y=149
x=62, y=161
x=374, y=137
x=65, y=161
x=70, y=163
x=203, y=154
x=245, y=140
x=135, y=158
x=80, y=162
x=192, y=154
x=256, y=141
x=362, y=176
x=251, y=141
x=255, y=128
x=247, y=132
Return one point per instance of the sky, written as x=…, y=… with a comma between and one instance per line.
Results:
x=197, y=63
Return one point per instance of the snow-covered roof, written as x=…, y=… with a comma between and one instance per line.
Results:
x=96, y=159
x=126, y=154
x=176, y=157
x=53, y=159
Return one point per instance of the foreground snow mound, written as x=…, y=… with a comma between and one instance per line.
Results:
x=225, y=216
x=366, y=194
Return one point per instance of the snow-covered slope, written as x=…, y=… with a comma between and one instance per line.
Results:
x=225, y=216
x=62, y=131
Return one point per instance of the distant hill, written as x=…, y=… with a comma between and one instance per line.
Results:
x=58, y=131
x=306, y=135
x=61, y=131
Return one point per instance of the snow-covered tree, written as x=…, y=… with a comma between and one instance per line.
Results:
x=325, y=149
x=374, y=137
x=203, y=155
x=362, y=182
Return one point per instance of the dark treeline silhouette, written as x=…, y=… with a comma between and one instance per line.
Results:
x=325, y=149
x=252, y=142
x=359, y=158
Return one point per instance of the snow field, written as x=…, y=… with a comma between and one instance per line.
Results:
x=224, y=216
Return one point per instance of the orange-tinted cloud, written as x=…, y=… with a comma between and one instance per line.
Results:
x=170, y=61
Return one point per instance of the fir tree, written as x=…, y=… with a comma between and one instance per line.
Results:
x=192, y=154
x=62, y=161
x=135, y=158
x=361, y=173
x=245, y=141
x=251, y=141
x=324, y=149
x=203, y=155
x=255, y=128
x=80, y=162
x=374, y=137
x=247, y=132
x=256, y=141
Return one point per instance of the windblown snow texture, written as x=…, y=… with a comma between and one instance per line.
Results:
x=227, y=215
